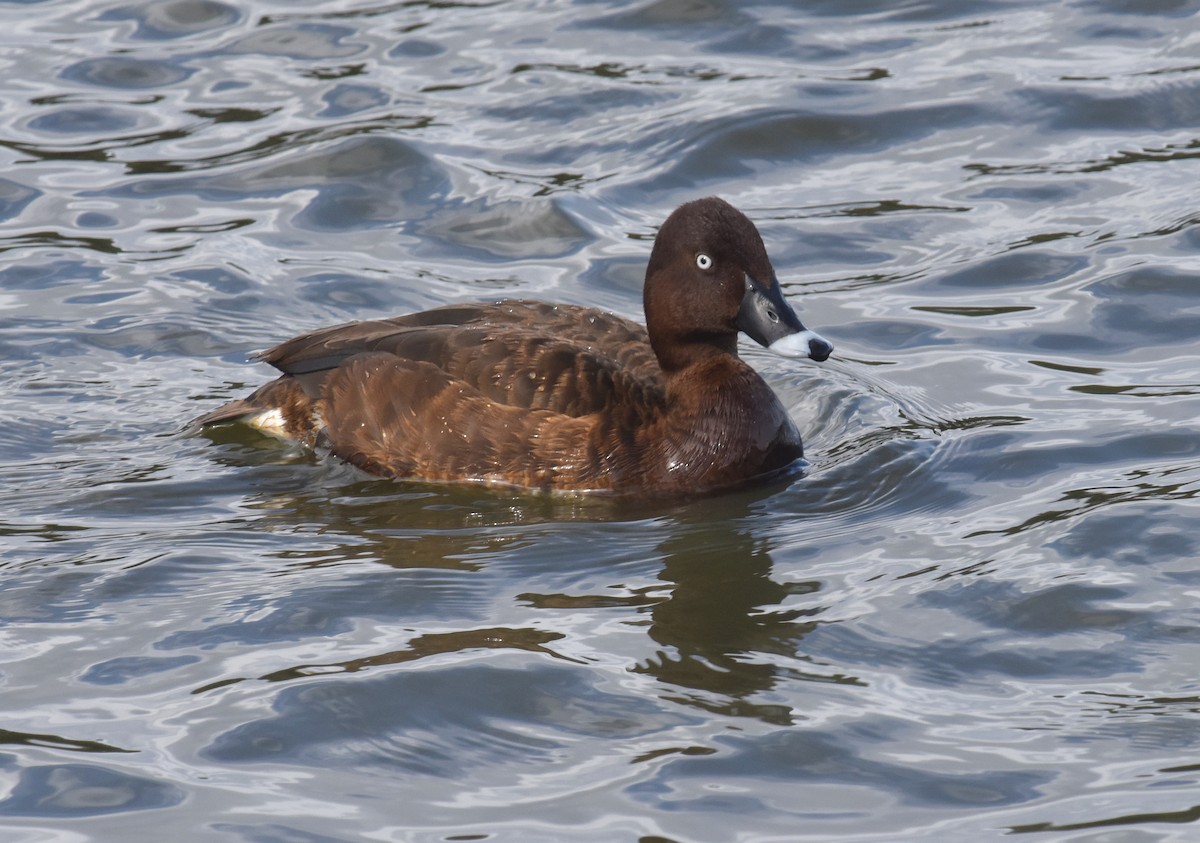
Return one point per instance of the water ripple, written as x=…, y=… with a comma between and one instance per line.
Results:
x=974, y=605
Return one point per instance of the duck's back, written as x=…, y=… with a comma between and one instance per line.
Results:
x=526, y=354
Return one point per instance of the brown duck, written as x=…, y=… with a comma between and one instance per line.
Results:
x=560, y=397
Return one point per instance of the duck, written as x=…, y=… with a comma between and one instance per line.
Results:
x=560, y=398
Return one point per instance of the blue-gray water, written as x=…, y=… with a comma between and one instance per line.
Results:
x=975, y=617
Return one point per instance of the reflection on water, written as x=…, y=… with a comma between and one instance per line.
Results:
x=723, y=620
x=972, y=615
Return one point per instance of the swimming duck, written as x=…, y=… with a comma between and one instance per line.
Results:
x=560, y=397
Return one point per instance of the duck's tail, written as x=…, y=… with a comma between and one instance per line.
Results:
x=280, y=408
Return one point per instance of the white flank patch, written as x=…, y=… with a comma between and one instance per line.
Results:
x=269, y=421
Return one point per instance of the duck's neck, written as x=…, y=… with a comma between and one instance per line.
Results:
x=678, y=355
x=712, y=381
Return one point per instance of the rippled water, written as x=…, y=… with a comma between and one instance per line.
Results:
x=974, y=617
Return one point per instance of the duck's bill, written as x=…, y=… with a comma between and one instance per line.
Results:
x=806, y=343
x=768, y=319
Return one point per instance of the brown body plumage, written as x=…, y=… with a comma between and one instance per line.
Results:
x=559, y=397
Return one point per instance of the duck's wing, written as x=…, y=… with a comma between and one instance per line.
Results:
x=404, y=418
x=528, y=355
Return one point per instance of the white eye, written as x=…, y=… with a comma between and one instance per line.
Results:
x=704, y=261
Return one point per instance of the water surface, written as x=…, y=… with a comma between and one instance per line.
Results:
x=975, y=615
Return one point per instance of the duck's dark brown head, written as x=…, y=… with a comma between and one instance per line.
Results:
x=708, y=278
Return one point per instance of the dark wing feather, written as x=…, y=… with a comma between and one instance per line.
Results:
x=531, y=355
x=402, y=418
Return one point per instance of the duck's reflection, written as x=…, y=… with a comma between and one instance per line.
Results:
x=724, y=629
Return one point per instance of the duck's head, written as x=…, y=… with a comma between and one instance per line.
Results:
x=709, y=277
